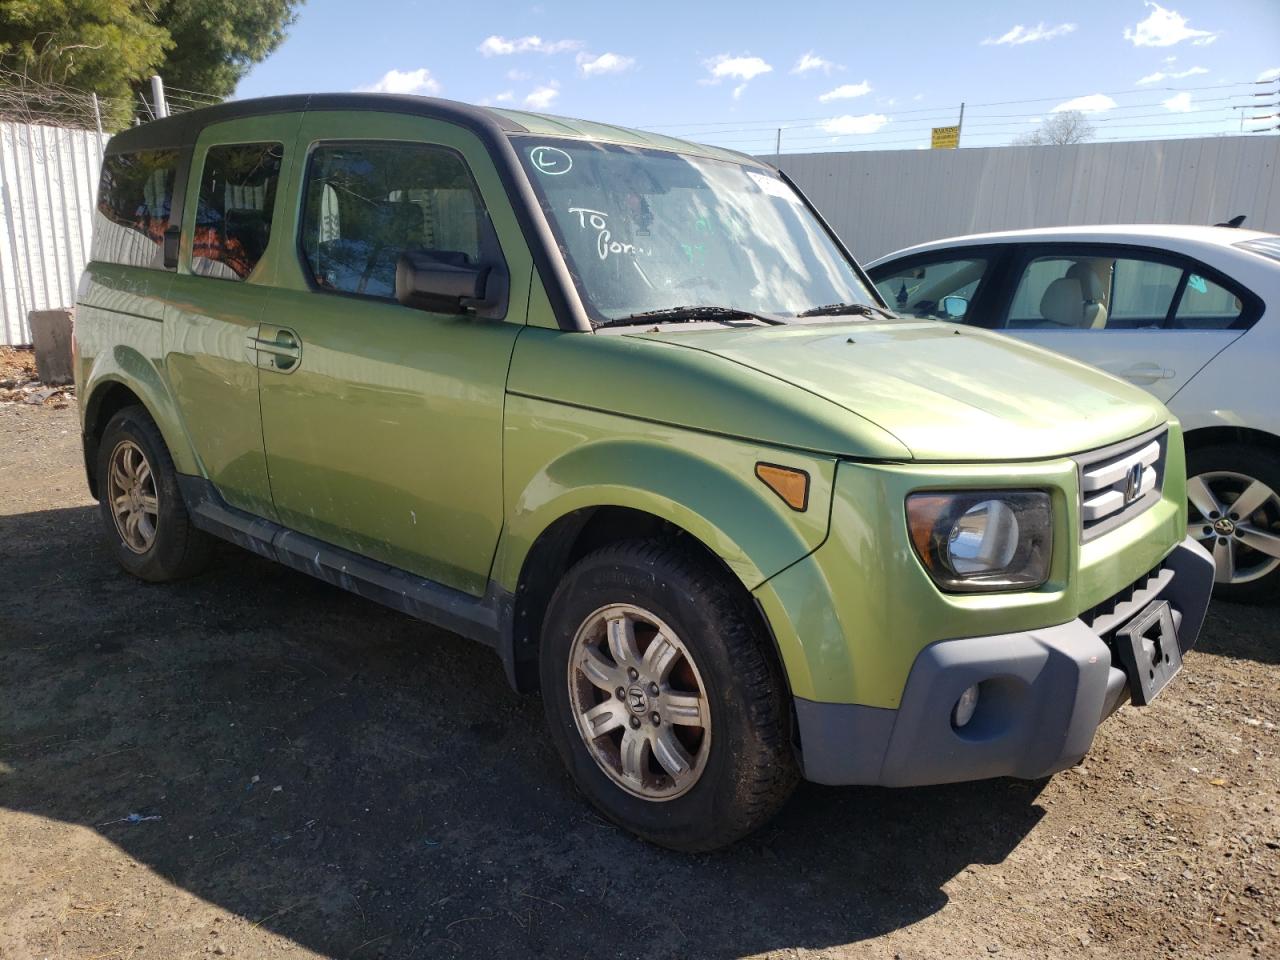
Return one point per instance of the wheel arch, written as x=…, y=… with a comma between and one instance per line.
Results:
x=1202, y=437
x=132, y=381
x=720, y=510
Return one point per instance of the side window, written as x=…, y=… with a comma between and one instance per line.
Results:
x=937, y=291
x=233, y=216
x=134, y=197
x=1142, y=292
x=1206, y=306
x=1025, y=312
x=367, y=203
x=1093, y=292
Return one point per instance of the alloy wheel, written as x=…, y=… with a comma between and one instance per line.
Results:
x=639, y=702
x=1237, y=518
x=131, y=491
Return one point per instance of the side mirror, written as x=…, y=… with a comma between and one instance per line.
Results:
x=446, y=281
x=954, y=307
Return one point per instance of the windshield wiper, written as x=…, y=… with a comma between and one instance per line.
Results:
x=836, y=309
x=692, y=314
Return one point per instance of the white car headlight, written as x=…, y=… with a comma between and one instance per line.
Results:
x=983, y=540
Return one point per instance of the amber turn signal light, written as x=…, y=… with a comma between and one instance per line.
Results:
x=790, y=484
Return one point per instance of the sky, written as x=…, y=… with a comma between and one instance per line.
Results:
x=838, y=75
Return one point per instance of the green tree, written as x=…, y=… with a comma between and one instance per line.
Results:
x=215, y=42
x=112, y=47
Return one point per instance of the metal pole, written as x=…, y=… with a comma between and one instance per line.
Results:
x=777, y=149
x=97, y=118
x=160, y=107
x=960, y=124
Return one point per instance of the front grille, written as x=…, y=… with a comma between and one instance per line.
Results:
x=1120, y=481
x=1115, y=611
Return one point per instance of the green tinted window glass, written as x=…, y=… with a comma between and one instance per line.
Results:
x=134, y=197
x=367, y=203
x=233, y=217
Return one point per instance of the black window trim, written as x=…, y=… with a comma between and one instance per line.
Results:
x=1023, y=253
x=189, y=159
x=499, y=312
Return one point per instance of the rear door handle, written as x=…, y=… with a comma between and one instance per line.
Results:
x=281, y=350
x=1147, y=373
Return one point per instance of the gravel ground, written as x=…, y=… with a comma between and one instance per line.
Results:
x=310, y=775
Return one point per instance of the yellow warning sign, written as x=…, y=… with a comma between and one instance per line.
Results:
x=946, y=138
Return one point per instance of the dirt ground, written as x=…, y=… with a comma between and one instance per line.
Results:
x=253, y=764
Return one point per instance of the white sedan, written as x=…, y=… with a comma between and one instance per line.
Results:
x=1190, y=313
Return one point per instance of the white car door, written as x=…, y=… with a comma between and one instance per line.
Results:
x=1149, y=317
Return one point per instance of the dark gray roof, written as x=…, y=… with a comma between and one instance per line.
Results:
x=181, y=129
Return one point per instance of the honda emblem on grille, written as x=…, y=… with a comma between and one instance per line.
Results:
x=1133, y=484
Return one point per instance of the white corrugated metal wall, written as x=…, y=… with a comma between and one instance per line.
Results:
x=883, y=201
x=879, y=201
x=48, y=181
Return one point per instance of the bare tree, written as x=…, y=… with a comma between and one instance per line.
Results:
x=1069, y=126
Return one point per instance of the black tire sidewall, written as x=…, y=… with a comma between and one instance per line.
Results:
x=170, y=555
x=709, y=813
x=1251, y=461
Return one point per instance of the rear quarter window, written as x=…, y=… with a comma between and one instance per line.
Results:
x=134, y=199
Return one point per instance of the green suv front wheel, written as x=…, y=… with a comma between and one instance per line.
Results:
x=663, y=697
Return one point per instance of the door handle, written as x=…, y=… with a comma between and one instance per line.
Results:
x=1147, y=373
x=281, y=351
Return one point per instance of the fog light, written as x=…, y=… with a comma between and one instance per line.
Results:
x=962, y=713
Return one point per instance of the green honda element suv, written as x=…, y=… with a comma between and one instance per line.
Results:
x=625, y=409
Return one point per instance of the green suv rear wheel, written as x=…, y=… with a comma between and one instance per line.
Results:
x=142, y=511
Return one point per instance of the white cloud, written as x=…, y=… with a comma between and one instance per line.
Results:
x=506, y=96
x=515, y=76
x=418, y=81
x=605, y=63
x=1173, y=75
x=542, y=97
x=738, y=68
x=1179, y=103
x=1271, y=74
x=811, y=61
x=849, y=125
x=724, y=66
x=1018, y=35
x=1093, y=103
x=918, y=97
x=846, y=92
x=496, y=46
x=1164, y=28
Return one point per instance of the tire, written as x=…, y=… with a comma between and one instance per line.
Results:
x=741, y=766
x=163, y=545
x=1217, y=477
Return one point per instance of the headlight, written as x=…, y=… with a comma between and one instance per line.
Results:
x=983, y=540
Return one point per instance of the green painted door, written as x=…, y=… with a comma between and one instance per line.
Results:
x=383, y=424
x=231, y=242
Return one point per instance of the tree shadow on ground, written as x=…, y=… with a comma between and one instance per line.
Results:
x=420, y=805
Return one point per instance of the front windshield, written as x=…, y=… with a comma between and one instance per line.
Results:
x=644, y=230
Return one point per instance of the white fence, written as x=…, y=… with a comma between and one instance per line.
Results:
x=883, y=201
x=48, y=181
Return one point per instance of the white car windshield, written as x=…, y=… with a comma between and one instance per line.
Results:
x=650, y=230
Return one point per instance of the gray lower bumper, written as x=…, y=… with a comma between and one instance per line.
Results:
x=1043, y=694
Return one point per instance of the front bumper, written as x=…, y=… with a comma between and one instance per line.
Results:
x=1044, y=693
